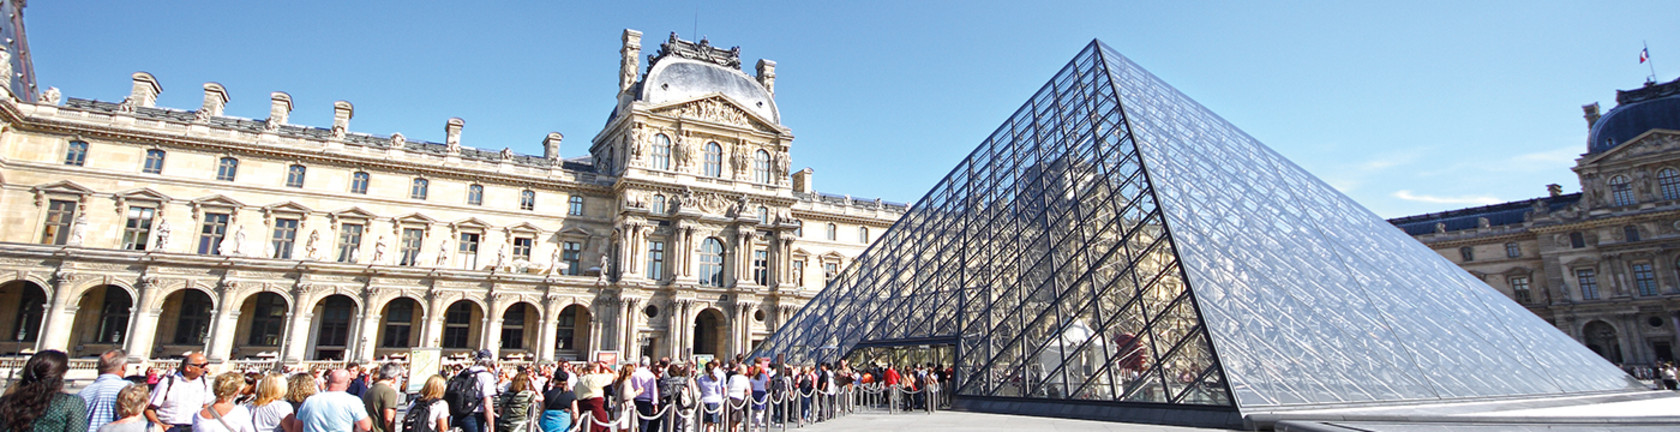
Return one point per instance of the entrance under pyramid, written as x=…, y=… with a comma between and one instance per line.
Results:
x=1115, y=250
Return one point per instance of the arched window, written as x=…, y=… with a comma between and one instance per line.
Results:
x=76, y=154
x=658, y=204
x=661, y=152
x=1621, y=191
x=418, y=190
x=575, y=206
x=475, y=194
x=711, y=262
x=763, y=215
x=294, y=176
x=714, y=160
x=863, y=235
x=1669, y=180
x=833, y=231
x=154, y=162
x=761, y=167
x=359, y=183
x=227, y=169
x=527, y=200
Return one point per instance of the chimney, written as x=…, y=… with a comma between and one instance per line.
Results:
x=767, y=75
x=551, y=146
x=1554, y=190
x=215, y=99
x=279, y=108
x=1592, y=114
x=802, y=181
x=628, y=70
x=452, y=134
x=145, y=91
x=342, y=112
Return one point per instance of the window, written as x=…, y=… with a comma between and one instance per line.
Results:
x=761, y=267
x=76, y=154
x=863, y=235
x=661, y=152
x=1577, y=241
x=193, y=322
x=830, y=270
x=1631, y=233
x=211, y=235
x=1588, y=280
x=335, y=322
x=1512, y=250
x=469, y=251
x=522, y=248
x=27, y=327
x=1645, y=279
x=411, y=238
x=711, y=262
x=270, y=316
x=227, y=169
x=513, y=328
x=575, y=206
x=285, y=236
x=527, y=200
x=294, y=176
x=113, y=316
x=656, y=260
x=61, y=214
x=799, y=272
x=1467, y=253
x=138, y=229
x=359, y=182
x=399, y=320
x=1668, y=179
x=833, y=231
x=571, y=253
x=763, y=215
x=1621, y=191
x=457, y=325
x=658, y=204
x=714, y=160
x=349, y=242
x=418, y=189
x=1519, y=289
x=566, y=331
x=761, y=167
x=154, y=162
x=475, y=195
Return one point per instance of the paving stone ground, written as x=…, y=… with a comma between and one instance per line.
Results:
x=978, y=422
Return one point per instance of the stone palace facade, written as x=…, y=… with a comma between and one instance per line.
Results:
x=1603, y=265
x=164, y=230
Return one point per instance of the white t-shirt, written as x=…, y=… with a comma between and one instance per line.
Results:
x=760, y=382
x=486, y=384
x=178, y=400
x=267, y=418
x=238, y=418
x=739, y=387
x=440, y=411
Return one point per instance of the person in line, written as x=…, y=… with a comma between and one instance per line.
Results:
x=179, y=396
x=224, y=415
x=759, y=376
x=358, y=384
x=333, y=410
x=298, y=389
x=560, y=408
x=267, y=410
x=130, y=410
x=37, y=401
x=483, y=417
x=711, y=398
x=101, y=396
x=646, y=398
x=591, y=396
x=623, y=394
x=381, y=399
x=514, y=410
x=739, y=387
x=676, y=391
x=431, y=400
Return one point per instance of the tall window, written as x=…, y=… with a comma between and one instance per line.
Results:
x=656, y=259
x=294, y=176
x=60, y=215
x=571, y=253
x=1621, y=191
x=527, y=200
x=830, y=270
x=227, y=169
x=359, y=183
x=833, y=231
x=113, y=316
x=27, y=327
x=761, y=267
x=335, y=322
x=1588, y=279
x=1467, y=253
x=763, y=215
x=714, y=160
x=711, y=262
x=1519, y=289
x=1577, y=241
x=211, y=235
x=1631, y=233
x=513, y=328
x=566, y=332
x=1668, y=179
x=411, y=238
x=1645, y=279
x=863, y=235
x=154, y=162
x=658, y=204
x=399, y=321
x=138, y=229
x=349, y=242
x=76, y=154
x=475, y=195
x=418, y=189
x=1512, y=250
x=574, y=205
x=661, y=152
x=285, y=236
x=266, y=324
x=469, y=251
x=799, y=272
x=761, y=167
x=457, y=325
x=193, y=322
x=522, y=248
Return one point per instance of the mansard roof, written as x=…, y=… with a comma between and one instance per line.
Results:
x=1502, y=214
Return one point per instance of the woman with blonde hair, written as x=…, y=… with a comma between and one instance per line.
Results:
x=298, y=388
x=131, y=410
x=267, y=410
x=224, y=415
x=431, y=400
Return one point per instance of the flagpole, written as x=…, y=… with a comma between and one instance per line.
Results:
x=1648, y=61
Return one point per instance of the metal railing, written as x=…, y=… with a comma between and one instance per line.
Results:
x=777, y=410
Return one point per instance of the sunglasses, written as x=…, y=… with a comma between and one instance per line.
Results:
x=198, y=365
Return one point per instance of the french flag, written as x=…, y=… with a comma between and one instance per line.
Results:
x=1644, y=54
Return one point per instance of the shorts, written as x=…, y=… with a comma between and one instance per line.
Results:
x=712, y=412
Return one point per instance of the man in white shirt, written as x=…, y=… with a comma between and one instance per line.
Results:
x=180, y=396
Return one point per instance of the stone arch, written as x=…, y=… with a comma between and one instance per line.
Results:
x=520, y=330
x=263, y=316
x=711, y=332
x=242, y=296
x=441, y=302
x=20, y=324
x=164, y=291
x=573, y=331
x=1603, y=338
x=185, y=316
x=463, y=325
x=399, y=329
x=104, y=313
x=333, y=325
x=81, y=289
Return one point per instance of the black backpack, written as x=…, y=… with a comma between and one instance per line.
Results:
x=463, y=394
x=418, y=418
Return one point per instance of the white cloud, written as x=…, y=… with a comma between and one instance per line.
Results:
x=1461, y=200
x=1564, y=156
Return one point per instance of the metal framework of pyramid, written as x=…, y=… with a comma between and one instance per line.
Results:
x=1116, y=241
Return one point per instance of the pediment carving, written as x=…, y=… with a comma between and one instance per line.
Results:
x=717, y=109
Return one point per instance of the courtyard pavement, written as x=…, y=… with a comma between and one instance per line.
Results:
x=971, y=421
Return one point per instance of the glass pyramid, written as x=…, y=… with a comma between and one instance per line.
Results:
x=1116, y=241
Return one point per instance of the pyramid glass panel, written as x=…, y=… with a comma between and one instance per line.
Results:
x=1116, y=241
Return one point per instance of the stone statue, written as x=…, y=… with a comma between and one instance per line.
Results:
x=379, y=251
x=443, y=254
x=554, y=262
x=312, y=248
x=398, y=140
x=601, y=278
x=51, y=96
x=782, y=166
x=268, y=250
x=680, y=152
x=237, y=243
x=501, y=257
x=78, y=230
x=163, y=232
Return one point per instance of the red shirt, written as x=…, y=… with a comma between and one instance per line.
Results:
x=892, y=377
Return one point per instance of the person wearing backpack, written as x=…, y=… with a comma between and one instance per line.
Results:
x=429, y=412
x=677, y=391
x=560, y=408
x=472, y=394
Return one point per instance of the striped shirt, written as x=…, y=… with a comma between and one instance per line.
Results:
x=101, y=399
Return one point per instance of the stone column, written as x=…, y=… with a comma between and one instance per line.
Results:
x=143, y=325
x=492, y=337
x=297, y=343
x=224, y=325
x=547, y=335
x=61, y=312
x=367, y=335
x=627, y=337
x=678, y=333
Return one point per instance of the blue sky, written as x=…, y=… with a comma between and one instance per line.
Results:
x=1408, y=107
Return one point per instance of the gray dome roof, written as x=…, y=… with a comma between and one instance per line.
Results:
x=677, y=79
x=1637, y=111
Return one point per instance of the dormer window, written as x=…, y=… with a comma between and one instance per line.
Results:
x=1621, y=191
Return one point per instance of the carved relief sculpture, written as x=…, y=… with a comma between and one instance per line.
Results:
x=312, y=249
x=379, y=251
x=51, y=96
x=163, y=232
x=78, y=230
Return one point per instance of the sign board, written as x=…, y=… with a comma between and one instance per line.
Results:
x=608, y=357
x=701, y=359
x=422, y=363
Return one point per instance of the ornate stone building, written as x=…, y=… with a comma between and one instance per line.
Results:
x=1602, y=264
x=165, y=230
